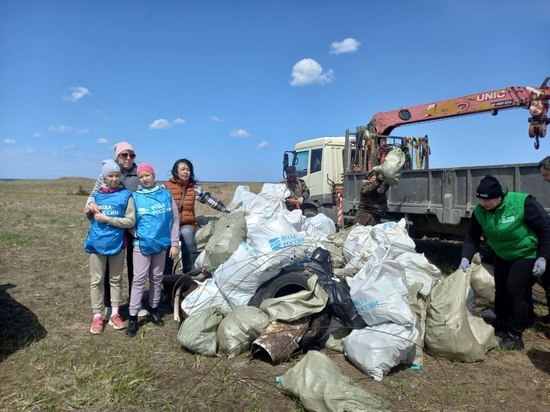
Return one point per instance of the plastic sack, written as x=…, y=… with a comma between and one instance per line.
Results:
x=377, y=349
x=242, y=196
x=204, y=233
x=205, y=296
x=247, y=269
x=482, y=279
x=297, y=305
x=392, y=165
x=419, y=269
x=419, y=306
x=335, y=245
x=229, y=232
x=239, y=328
x=320, y=386
x=379, y=293
x=198, y=333
x=448, y=330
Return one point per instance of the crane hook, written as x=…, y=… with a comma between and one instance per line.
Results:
x=537, y=144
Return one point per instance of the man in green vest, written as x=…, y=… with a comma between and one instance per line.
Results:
x=517, y=228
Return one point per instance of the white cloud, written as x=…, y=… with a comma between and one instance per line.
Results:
x=239, y=133
x=262, y=145
x=348, y=45
x=62, y=128
x=308, y=71
x=68, y=147
x=37, y=134
x=160, y=124
x=216, y=119
x=165, y=124
x=10, y=141
x=83, y=131
x=102, y=141
x=76, y=93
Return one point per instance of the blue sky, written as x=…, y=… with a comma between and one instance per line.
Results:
x=232, y=84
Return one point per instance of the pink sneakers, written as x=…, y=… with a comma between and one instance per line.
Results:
x=97, y=325
x=116, y=322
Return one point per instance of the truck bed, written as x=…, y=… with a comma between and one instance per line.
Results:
x=441, y=201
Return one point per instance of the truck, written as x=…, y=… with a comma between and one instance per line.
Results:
x=434, y=202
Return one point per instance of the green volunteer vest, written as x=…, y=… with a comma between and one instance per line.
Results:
x=505, y=230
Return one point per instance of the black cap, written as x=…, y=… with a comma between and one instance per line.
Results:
x=489, y=188
x=291, y=171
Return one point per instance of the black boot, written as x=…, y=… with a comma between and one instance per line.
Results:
x=155, y=318
x=133, y=326
x=511, y=342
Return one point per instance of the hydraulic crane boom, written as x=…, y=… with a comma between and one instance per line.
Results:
x=535, y=99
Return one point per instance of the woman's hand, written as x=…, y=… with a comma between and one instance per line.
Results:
x=174, y=252
x=101, y=218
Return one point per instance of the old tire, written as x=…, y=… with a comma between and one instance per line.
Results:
x=281, y=285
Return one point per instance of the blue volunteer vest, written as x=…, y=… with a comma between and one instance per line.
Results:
x=153, y=219
x=103, y=238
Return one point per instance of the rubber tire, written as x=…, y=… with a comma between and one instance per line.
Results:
x=281, y=285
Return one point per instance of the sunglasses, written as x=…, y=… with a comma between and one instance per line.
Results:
x=127, y=155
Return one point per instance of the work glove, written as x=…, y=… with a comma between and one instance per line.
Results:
x=540, y=267
x=464, y=264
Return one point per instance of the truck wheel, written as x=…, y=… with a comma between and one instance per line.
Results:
x=281, y=285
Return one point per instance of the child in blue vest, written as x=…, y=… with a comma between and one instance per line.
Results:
x=105, y=243
x=156, y=230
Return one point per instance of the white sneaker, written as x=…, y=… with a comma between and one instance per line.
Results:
x=142, y=313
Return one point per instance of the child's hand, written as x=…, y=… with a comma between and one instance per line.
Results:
x=101, y=218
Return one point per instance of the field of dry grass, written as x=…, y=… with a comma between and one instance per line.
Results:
x=50, y=361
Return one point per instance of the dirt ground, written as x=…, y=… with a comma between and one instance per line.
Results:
x=50, y=361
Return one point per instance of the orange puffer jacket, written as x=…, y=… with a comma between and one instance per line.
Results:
x=184, y=197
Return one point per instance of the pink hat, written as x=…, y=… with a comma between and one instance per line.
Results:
x=145, y=167
x=121, y=147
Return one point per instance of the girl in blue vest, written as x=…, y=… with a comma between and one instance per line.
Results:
x=105, y=243
x=517, y=228
x=156, y=230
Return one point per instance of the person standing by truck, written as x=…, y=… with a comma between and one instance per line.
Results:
x=544, y=168
x=517, y=228
x=298, y=189
x=373, y=203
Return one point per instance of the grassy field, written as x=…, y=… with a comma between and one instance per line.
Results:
x=50, y=361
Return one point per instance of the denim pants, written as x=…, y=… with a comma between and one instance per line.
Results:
x=189, y=250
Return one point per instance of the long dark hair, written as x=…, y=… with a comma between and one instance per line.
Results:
x=188, y=163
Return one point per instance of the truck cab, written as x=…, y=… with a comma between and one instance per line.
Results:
x=319, y=162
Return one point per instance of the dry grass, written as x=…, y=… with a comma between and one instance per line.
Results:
x=49, y=360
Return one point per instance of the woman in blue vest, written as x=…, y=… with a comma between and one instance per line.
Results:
x=105, y=243
x=156, y=230
x=517, y=228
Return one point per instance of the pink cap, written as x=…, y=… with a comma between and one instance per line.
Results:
x=145, y=167
x=121, y=147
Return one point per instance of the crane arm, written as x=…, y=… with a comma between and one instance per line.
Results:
x=535, y=99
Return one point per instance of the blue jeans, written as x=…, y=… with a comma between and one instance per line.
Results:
x=189, y=250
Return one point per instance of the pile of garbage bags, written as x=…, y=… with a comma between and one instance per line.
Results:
x=364, y=291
